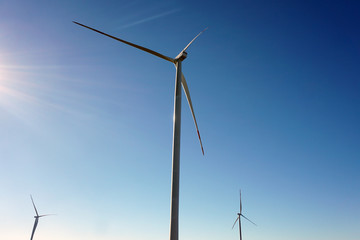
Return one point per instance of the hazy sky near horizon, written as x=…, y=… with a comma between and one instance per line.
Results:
x=86, y=121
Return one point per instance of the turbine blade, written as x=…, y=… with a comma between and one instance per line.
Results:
x=33, y=231
x=249, y=220
x=34, y=206
x=235, y=222
x=192, y=42
x=44, y=215
x=240, y=202
x=131, y=44
x=187, y=93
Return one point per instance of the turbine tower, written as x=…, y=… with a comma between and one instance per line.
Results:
x=239, y=218
x=179, y=80
x=36, y=218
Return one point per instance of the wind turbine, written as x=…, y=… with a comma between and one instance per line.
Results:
x=239, y=218
x=179, y=80
x=36, y=218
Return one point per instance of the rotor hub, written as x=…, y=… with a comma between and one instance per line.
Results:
x=181, y=56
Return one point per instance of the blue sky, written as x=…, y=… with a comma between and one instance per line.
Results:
x=86, y=122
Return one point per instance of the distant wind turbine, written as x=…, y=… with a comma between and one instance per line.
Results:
x=36, y=218
x=239, y=218
x=179, y=80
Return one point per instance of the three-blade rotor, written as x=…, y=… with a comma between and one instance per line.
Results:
x=239, y=218
x=36, y=218
x=177, y=58
x=37, y=214
x=240, y=213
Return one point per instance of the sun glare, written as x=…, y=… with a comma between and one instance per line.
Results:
x=30, y=91
x=16, y=97
x=3, y=88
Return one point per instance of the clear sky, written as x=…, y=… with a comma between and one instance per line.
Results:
x=86, y=121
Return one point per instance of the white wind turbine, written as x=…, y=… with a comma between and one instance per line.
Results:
x=239, y=218
x=36, y=218
x=179, y=80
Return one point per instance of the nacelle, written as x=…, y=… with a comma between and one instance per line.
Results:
x=181, y=56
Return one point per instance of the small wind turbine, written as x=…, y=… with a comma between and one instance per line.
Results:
x=239, y=218
x=179, y=80
x=36, y=218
